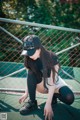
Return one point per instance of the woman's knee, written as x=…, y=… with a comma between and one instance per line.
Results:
x=67, y=95
x=69, y=98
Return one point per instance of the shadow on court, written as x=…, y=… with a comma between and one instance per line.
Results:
x=61, y=112
x=4, y=107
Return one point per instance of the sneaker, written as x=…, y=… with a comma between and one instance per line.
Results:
x=28, y=107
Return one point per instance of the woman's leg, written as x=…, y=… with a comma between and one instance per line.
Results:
x=32, y=103
x=31, y=83
x=66, y=95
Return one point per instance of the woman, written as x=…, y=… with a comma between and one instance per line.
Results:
x=43, y=67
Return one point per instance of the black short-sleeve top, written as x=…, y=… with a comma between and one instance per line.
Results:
x=36, y=65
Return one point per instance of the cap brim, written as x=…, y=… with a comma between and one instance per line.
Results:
x=28, y=52
x=24, y=52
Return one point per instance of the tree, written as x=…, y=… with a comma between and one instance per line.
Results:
x=54, y=12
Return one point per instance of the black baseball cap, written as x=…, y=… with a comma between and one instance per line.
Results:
x=30, y=44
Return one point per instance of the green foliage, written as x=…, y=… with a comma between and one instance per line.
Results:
x=52, y=12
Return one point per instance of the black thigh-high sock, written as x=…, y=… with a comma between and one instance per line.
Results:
x=31, y=83
x=65, y=95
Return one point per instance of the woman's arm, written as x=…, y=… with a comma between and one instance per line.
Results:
x=52, y=84
x=24, y=96
x=48, y=112
x=51, y=90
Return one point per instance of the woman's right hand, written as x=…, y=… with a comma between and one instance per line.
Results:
x=23, y=98
x=48, y=112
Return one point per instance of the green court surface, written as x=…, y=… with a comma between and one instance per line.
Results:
x=9, y=103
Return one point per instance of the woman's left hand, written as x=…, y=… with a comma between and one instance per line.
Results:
x=48, y=112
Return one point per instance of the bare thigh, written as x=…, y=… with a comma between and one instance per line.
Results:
x=40, y=88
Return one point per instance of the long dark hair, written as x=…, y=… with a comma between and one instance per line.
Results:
x=47, y=61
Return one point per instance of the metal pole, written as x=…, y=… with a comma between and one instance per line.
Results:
x=39, y=25
x=12, y=73
x=12, y=90
x=17, y=39
x=64, y=50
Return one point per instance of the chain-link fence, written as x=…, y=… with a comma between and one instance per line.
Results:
x=65, y=42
